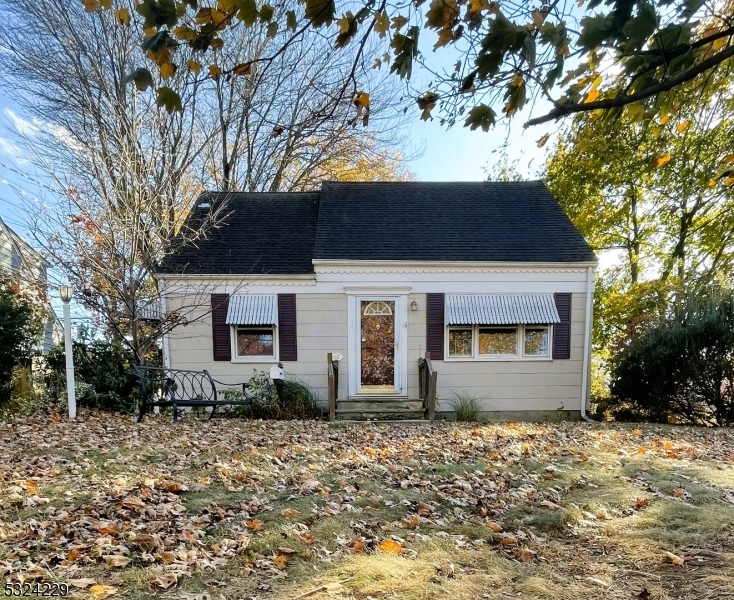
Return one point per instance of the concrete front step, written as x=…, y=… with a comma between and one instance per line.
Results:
x=380, y=416
x=379, y=408
x=378, y=405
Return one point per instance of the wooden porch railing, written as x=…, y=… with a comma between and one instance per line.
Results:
x=332, y=373
x=427, y=378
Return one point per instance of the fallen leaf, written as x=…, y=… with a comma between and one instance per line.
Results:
x=306, y=537
x=255, y=525
x=287, y=552
x=357, y=546
x=165, y=581
x=496, y=527
x=280, y=562
x=102, y=591
x=147, y=542
x=424, y=510
x=674, y=558
x=116, y=560
x=171, y=486
x=290, y=513
x=82, y=583
x=447, y=570
x=133, y=502
x=108, y=528
x=390, y=546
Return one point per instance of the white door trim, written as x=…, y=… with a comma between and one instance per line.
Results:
x=354, y=337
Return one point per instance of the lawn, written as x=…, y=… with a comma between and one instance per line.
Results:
x=237, y=509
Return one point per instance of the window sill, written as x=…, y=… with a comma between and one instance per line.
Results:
x=498, y=359
x=254, y=359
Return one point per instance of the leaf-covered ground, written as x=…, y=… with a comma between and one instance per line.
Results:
x=238, y=509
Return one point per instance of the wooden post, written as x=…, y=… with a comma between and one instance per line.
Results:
x=331, y=386
x=432, y=396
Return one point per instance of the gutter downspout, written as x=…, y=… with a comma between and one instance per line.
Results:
x=587, y=341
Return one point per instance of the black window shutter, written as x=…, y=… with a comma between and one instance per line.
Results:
x=287, y=336
x=435, y=325
x=562, y=330
x=220, y=329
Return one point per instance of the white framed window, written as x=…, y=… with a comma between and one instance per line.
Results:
x=498, y=342
x=254, y=343
x=461, y=342
x=536, y=341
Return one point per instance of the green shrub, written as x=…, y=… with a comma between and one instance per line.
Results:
x=102, y=373
x=464, y=405
x=681, y=369
x=20, y=329
x=299, y=400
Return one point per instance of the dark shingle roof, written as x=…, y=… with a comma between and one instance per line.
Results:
x=488, y=222
x=270, y=233
x=280, y=233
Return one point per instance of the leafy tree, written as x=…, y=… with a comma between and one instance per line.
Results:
x=683, y=366
x=599, y=56
x=20, y=329
x=657, y=195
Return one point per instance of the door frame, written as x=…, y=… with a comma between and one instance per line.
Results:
x=355, y=298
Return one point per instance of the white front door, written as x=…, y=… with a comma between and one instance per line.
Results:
x=378, y=353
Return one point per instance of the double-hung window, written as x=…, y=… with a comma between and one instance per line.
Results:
x=500, y=327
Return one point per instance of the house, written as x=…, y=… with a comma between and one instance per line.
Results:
x=26, y=266
x=492, y=280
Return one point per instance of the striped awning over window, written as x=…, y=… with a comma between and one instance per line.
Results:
x=501, y=310
x=252, y=310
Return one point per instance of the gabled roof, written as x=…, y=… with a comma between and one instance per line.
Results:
x=263, y=233
x=282, y=233
x=484, y=222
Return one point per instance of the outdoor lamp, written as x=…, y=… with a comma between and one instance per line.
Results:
x=414, y=306
x=66, y=292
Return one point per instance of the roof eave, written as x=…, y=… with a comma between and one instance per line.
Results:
x=218, y=276
x=449, y=263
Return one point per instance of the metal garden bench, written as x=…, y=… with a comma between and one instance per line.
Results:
x=181, y=388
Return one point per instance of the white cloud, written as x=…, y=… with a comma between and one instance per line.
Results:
x=21, y=125
x=13, y=151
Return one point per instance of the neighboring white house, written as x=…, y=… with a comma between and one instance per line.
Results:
x=29, y=268
x=492, y=279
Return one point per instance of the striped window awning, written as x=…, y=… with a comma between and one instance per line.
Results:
x=501, y=310
x=252, y=310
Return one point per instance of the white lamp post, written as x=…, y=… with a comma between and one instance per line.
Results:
x=66, y=292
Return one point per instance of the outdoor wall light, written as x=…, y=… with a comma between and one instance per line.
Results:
x=414, y=306
x=66, y=292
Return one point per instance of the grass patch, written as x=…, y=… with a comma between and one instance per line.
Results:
x=465, y=405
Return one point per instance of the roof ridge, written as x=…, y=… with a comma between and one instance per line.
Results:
x=477, y=183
